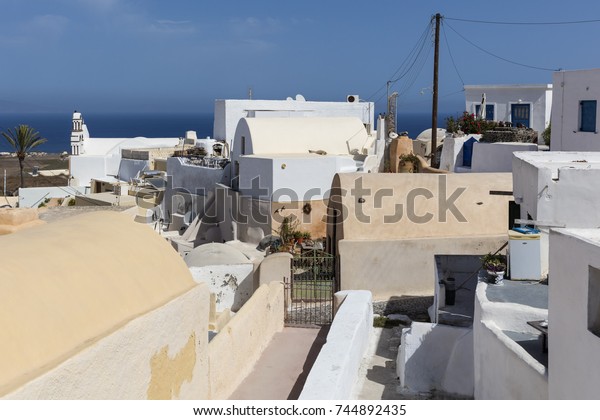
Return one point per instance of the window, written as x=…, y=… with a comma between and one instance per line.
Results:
x=587, y=116
x=489, y=111
x=593, y=302
x=243, y=152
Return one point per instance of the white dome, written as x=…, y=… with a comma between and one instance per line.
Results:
x=426, y=134
x=215, y=254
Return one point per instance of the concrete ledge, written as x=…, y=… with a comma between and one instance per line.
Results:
x=336, y=369
x=436, y=357
x=494, y=350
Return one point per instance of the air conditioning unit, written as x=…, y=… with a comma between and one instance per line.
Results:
x=352, y=99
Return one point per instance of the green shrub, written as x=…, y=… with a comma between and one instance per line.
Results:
x=546, y=134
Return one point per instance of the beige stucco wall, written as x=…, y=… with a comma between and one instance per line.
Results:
x=14, y=220
x=336, y=136
x=402, y=267
x=275, y=267
x=314, y=222
x=236, y=348
x=483, y=214
x=67, y=285
x=162, y=354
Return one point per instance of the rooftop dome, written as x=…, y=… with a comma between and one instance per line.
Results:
x=215, y=254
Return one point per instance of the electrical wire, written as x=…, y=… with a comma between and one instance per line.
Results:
x=491, y=22
x=497, y=56
x=414, y=52
x=451, y=56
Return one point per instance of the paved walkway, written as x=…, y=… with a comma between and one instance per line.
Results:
x=377, y=374
x=281, y=371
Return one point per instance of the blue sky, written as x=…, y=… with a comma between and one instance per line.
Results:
x=180, y=55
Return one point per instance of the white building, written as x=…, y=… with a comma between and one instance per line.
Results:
x=574, y=314
x=557, y=189
x=285, y=166
x=575, y=111
x=529, y=105
x=228, y=112
x=100, y=158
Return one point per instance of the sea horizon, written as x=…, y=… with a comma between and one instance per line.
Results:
x=56, y=126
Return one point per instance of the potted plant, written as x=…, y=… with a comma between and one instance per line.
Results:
x=495, y=266
x=287, y=229
x=408, y=163
x=298, y=236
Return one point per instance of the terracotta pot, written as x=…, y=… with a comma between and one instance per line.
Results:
x=405, y=167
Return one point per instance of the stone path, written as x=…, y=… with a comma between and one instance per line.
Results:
x=281, y=371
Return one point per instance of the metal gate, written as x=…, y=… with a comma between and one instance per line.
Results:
x=309, y=292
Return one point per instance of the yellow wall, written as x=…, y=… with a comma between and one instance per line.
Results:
x=403, y=267
x=484, y=214
x=237, y=347
x=65, y=285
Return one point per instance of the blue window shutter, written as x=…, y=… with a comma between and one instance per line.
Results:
x=587, y=116
x=489, y=112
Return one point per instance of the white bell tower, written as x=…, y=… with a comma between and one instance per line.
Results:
x=78, y=134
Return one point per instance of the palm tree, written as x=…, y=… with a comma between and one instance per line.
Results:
x=23, y=138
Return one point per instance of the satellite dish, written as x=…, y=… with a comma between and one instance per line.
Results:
x=300, y=98
x=393, y=135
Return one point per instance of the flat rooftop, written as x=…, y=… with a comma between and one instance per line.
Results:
x=529, y=293
x=579, y=160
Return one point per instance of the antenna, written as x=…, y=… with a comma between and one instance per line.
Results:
x=250, y=93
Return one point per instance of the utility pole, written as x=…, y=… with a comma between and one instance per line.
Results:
x=434, y=109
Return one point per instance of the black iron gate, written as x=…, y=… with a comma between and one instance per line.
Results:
x=309, y=292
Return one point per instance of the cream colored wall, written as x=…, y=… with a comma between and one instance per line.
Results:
x=14, y=220
x=484, y=214
x=73, y=282
x=162, y=354
x=336, y=136
x=236, y=348
x=403, y=266
x=315, y=222
x=275, y=267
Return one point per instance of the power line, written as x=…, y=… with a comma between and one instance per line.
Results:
x=491, y=22
x=451, y=57
x=497, y=56
x=401, y=68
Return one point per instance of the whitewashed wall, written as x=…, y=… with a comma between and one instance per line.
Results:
x=574, y=371
x=335, y=371
x=570, y=87
x=503, y=369
x=228, y=112
x=559, y=188
x=291, y=178
x=84, y=168
x=436, y=357
x=497, y=157
x=539, y=97
x=34, y=196
x=232, y=284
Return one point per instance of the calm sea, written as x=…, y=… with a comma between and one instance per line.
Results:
x=57, y=127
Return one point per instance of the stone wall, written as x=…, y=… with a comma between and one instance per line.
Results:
x=510, y=135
